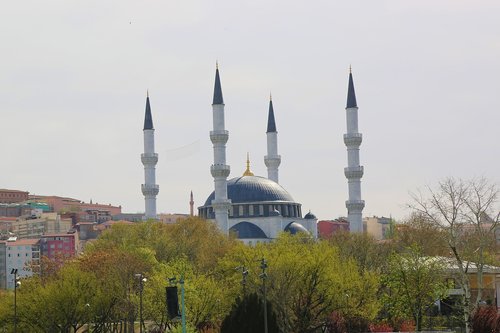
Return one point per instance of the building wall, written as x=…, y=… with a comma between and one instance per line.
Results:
x=3, y=268
x=327, y=228
x=21, y=254
x=58, y=246
x=59, y=204
x=12, y=196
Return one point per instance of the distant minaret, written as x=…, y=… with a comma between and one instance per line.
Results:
x=191, y=205
x=149, y=159
x=354, y=171
x=221, y=204
x=272, y=159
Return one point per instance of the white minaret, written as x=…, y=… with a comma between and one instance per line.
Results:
x=221, y=204
x=149, y=159
x=354, y=171
x=272, y=159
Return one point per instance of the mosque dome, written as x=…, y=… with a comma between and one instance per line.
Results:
x=245, y=230
x=295, y=228
x=248, y=189
x=310, y=216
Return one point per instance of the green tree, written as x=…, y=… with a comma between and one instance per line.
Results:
x=414, y=283
x=247, y=316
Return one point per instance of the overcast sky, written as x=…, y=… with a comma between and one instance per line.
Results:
x=74, y=75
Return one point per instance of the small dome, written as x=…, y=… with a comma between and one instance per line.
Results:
x=253, y=189
x=245, y=230
x=310, y=216
x=295, y=228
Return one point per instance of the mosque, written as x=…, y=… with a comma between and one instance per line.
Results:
x=257, y=209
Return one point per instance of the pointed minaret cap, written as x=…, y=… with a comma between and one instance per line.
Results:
x=217, y=87
x=148, y=119
x=271, y=124
x=351, y=95
x=247, y=171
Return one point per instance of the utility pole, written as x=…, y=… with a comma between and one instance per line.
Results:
x=183, y=308
x=16, y=284
x=263, y=276
x=142, y=280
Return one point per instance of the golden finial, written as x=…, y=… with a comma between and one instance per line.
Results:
x=247, y=171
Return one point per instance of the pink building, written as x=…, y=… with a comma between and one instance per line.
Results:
x=58, y=246
x=326, y=228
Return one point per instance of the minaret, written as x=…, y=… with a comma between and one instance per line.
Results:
x=219, y=169
x=272, y=159
x=191, y=205
x=149, y=159
x=354, y=171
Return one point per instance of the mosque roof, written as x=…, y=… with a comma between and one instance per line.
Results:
x=253, y=189
x=245, y=230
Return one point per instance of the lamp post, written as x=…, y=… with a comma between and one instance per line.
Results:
x=142, y=280
x=173, y=281
x=87, y=307
x=263, y=276
x=17, y=283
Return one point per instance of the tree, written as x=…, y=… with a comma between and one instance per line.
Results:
x=414, y=282
x=306, y=282
x=463, y=209
x=247, y=316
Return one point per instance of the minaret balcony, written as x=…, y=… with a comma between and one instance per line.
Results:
x=149, y=158
x=353, y=172
x=219, y=136
x=353, y=139
x=150, y=189
x=272, y=161
x=355, y=205
x=220, y=170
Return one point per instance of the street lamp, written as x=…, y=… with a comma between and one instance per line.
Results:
x=263, y=276
x=142, y=280
x=173, y=281
x=87, y=307
x=17, y=283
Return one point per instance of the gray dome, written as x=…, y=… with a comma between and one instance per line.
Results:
x=295, y=228
x=253, y=189
x=310, y=216
x=245, y=230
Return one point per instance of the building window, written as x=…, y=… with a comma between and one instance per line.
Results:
x=250, y=210
x=241, y=210
x=261, y=210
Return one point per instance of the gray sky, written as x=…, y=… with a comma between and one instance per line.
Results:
x=74, y=74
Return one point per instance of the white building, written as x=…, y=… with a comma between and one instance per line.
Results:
x=23, y=255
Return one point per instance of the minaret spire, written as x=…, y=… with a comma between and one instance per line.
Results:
x=354, y=170
x=191, y=204
x=220, y=171
x=149, y=159
x=272, y=159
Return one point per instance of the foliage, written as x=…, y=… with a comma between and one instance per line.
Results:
x=306, y=281
x=413, y=284
x=380, y=327
x=486, y=319
x=247, y=316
